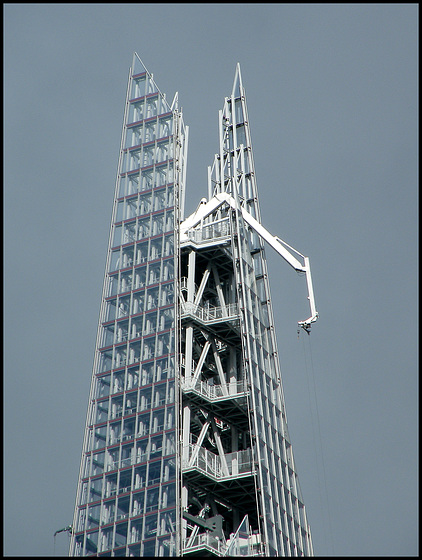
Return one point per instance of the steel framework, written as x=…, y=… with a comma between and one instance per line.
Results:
x=186, y=448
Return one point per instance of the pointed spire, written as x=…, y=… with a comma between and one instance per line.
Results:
x=138, y=67
x=150, y=86
x=175, y=103
x=237, y=90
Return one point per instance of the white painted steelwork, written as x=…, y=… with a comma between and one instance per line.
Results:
x=207, y=208
x=186, y=448
x=232, y=395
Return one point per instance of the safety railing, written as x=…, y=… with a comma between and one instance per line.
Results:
x=238, y=462
x=211, y=392
x=209, y=314
x=204, y=541
x=249, y=546
x=208, y=232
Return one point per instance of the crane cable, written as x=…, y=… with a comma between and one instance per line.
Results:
x=318, y=436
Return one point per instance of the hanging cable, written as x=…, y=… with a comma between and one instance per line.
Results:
x=316, y=433
x=313, y=423
x=322, y=452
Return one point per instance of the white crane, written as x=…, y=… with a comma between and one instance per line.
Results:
x=283, y=249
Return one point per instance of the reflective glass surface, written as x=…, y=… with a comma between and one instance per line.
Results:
x=126, y=502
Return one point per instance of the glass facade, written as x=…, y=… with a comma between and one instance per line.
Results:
x=186, y=449
x=126, y=503
x=284, y=524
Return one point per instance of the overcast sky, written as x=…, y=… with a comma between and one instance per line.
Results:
x=332, y=94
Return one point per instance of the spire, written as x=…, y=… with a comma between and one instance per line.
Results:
x=233, y=167
x=138, y=66
x=186, y=420
x=237, y=90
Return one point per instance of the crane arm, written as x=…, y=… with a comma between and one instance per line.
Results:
x=281, y=247
x=68, y=528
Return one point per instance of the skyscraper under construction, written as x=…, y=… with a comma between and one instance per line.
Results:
x=186, y=449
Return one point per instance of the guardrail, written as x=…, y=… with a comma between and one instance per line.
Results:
x=228, y=312
x=208, y=232
x=251, y=546
x=238, y=462
x=228, y=390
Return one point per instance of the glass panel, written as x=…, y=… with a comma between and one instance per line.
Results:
x=167, y=521
x=149, y=546
x=157, y=423
x=136, y=111
x=117, y=383
x=165, y=126
x=169, y=444
x=120, y=537
x=241, y=135
x=156, y=447
x=103, y=386
x=167, y=294
x=91, y=542
x=81, y=520
x=150, y=131
x=169, y=220
x=134, y=352
x=138, y=87
x=133, y=136
x=138, y=502
x=140, y=475
x=154, y=271
x=166, y=319
x=115, y=260
x=127, y=256
x=108, y=335
x=110, y=312
x=146, y=179
x=169, y=470
x=168, y=245
x=156, y=248
x=161, y=175
x=152, y=499
x=132, y=184
x=132, y=378
x=123, y=306
x=100, y=437
x=105, y=361
x=144, y=203
x=147, y=373
x=125, y=282
x=168, y=270
x=144, y=227
x=152, y=105
x=150, y=529
x=128, y=439
x=117, y=237
x=97, y=463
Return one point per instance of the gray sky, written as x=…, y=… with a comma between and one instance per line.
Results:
x=332, y=96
